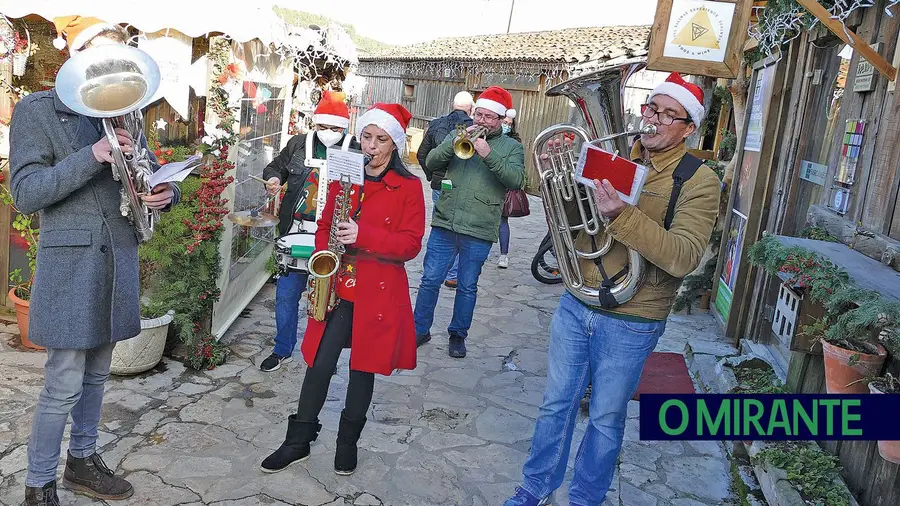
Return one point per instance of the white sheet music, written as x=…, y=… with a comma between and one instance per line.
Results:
x=174, y=172
x=346, y=163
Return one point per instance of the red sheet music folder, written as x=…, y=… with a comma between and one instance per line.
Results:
x=626, y=176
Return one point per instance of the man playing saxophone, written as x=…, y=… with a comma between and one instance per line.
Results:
x=608, y=347
x=299, y=208
x=85, y=292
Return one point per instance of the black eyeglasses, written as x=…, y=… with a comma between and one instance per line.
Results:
x=649, y=110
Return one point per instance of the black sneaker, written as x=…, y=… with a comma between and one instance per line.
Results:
x=422, y=339
x=273, y=362
x=457, y=346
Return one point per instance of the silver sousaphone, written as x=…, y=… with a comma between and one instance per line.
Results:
x=114, y=82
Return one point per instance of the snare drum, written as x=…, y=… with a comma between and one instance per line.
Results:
x=293, y=250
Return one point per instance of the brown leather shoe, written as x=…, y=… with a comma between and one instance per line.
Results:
x=42, y=496
x=450, y=283
x=92, y=478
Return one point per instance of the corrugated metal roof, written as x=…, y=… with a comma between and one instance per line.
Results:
x=571, y=45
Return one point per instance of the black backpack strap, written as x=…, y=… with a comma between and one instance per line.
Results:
x=684, y=171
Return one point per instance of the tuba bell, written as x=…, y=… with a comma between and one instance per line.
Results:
x=114, y=82
x=570, y=208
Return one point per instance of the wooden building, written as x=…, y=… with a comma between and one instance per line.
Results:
x=821, y=147
x=425, y=77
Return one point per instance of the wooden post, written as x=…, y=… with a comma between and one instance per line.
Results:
x=837, y=28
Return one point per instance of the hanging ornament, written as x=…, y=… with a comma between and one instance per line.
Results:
x=160, y=124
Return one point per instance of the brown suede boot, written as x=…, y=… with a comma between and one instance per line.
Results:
x=42, y=496
x=92, y=478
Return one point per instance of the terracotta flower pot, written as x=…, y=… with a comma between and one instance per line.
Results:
x=22, y=320
x=889, y=450
x=839, y=373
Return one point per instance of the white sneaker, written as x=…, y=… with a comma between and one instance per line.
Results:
x=503, y=263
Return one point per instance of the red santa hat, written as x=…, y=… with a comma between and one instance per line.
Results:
x=332, y=110
x=689, y=95
x=77, y=31
x=495, y=99
x=392, y=118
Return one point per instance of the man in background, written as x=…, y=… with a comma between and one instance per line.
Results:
x=437, y=130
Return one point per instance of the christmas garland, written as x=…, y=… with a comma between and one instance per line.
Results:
x=185, y=248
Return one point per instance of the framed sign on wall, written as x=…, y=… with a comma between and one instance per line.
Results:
x=699, y=37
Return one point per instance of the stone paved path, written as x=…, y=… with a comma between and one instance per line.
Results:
x=451, y=432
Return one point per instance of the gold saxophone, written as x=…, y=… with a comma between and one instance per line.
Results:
x=323, y=264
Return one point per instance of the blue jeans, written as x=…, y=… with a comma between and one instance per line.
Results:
x=586, y=346
x=454, y=270
x=443, y=246
x=73, y=383
x=288, y=290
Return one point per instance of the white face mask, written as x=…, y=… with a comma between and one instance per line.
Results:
x=328, y=137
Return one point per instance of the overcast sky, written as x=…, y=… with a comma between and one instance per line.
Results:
x=410, y=21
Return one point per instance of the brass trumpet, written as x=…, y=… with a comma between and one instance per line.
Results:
x=464, y=144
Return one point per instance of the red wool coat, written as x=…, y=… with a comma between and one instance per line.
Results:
x=391, y=227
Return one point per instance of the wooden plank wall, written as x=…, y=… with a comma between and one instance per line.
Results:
x=874, y=194
x=873, y=480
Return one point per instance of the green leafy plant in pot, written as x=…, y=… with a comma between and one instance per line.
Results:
x=20, y=286
x=855, y=327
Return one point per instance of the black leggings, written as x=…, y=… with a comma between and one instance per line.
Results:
x=338, y=331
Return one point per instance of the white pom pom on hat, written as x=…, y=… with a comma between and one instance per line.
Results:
x=511, y=113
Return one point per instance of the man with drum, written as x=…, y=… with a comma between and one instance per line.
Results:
x=297, y=164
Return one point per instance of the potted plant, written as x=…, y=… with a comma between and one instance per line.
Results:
x=142, y=352
x=888, y=384
x=854, y=321
x=855, y=324
x=20, y=287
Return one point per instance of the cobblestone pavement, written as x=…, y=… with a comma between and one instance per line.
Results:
x=451, y=432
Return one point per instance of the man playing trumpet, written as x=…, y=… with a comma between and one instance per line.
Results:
x=467, y=214
x=608, y=347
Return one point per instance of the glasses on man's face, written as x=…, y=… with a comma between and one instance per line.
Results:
x=486, y=117
x=649, y=110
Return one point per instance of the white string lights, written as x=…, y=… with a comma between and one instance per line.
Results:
x=779, y=24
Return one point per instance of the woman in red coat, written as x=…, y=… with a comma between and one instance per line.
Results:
x=385, y=229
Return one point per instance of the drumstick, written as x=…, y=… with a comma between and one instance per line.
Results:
x=261, y=180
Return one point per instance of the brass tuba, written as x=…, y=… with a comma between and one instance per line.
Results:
x=114, y=82
x=464, y=143
x=570, y=208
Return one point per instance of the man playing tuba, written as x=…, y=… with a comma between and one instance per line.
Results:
x=85, y=293
x=608, y=347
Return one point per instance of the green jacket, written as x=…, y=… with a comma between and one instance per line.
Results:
x=472, y=207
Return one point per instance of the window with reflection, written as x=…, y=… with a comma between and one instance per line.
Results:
x=261, y=116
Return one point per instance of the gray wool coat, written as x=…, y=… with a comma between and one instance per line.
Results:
x=85, y=290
